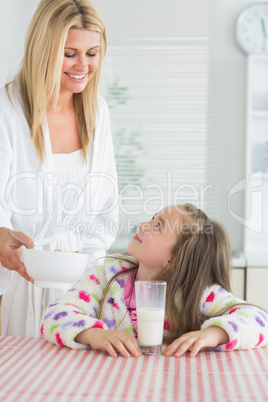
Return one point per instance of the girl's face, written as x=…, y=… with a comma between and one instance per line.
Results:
x=154, y=240
x=81, y=59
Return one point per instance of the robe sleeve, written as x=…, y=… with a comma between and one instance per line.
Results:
x=246, y=325
x=76, y=311
x=6, y=155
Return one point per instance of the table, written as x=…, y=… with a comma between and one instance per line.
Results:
x=31, y=369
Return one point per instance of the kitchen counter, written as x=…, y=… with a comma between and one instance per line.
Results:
x=239, y=261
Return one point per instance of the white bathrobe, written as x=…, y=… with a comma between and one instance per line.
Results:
x=63, y=203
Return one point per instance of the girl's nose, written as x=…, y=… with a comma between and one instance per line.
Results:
x=144, y=227
x=141, y=226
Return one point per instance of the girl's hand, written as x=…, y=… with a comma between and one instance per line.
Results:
x=11, y=251
x=196, y=340
x=111, y=341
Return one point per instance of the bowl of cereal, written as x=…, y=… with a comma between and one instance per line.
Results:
x=54, y=269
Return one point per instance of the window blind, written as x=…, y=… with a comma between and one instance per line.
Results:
x=156, y=84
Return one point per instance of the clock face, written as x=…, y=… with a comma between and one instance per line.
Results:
x=252, y=29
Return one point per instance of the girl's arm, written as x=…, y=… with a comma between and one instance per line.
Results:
x=76, y=311
x=111, y=341
x=246, y=325
x=196, y=340
x=242, y=327
x=71, y=320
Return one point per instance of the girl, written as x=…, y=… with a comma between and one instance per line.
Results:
x=183, y=247
x=57, y=167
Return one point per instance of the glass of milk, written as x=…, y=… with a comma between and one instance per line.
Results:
x=150, y=306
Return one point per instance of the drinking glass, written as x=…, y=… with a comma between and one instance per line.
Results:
x=150, y=306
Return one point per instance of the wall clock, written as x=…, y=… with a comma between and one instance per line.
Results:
x=252, y=29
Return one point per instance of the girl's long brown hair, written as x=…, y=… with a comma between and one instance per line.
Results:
x=200, y=257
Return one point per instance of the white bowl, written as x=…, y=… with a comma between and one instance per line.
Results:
x=54, y=269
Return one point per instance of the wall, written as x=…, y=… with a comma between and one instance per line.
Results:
x=227, y=101
x=228, y=107
x=15, y=17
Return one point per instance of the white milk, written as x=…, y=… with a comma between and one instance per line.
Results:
x=150, y=326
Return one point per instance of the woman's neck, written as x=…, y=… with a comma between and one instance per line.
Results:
x=65, y=102
x=62, y=125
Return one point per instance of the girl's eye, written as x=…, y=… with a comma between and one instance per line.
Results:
x=69, y=55
x=158, y=226
x=91, y=54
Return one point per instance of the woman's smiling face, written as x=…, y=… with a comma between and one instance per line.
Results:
x=154, y=240
x=81, y=59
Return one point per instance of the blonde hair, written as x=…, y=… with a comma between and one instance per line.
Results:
x=40, y=74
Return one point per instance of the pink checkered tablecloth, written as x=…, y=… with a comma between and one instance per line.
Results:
x=32, y=369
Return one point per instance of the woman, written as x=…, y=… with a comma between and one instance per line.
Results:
x=58, y=184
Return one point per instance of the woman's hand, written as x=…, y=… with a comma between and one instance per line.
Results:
x=11, y=251
x=111, y=341
x=197, y=340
